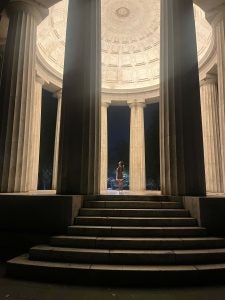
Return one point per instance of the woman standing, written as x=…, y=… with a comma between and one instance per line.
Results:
x=119, y=175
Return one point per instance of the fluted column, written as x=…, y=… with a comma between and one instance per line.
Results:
x=36, y=126
x=211, y=135
x=218, y=24
x=137, y=147
x=17, y=96
x=79, y=150
x=57, y=132
x=181, y=143
x=104, y=146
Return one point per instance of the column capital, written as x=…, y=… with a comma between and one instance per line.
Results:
x=58, y=94
x=136, y=103
x=209, y=79
x=38, y=11
x=106, y=103
x=39, y=79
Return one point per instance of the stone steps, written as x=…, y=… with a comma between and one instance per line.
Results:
x=132, y=204
x=127, y=240
x=119, y=231
x=107, y=212
x=132, y=221
x=127, y=257
x=137, y=243
x=111, y=275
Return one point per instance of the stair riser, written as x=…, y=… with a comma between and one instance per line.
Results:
x=136, y=232
x=169, y=258
x=133, y=222
x=135, y=245
x=133, y=205
x=134, y=213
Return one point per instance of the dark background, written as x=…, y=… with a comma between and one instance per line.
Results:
x=47, y=142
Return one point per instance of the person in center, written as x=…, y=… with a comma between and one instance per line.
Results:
x=119, y=175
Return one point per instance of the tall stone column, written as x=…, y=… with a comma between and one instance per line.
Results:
x=57, y=132
x=39, y=82
x=218, y=24
x=181, y=143
x=17, y=96
x=137, y=147
x=104, y=145
x=79, y=150
x=211, y=135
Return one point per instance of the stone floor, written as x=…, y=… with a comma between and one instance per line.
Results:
x=25, y=290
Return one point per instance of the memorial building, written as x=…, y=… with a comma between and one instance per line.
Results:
x=88, y=56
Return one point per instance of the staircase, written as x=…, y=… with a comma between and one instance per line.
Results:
x=127, y=240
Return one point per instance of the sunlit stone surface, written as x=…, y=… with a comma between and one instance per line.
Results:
x=130, y=41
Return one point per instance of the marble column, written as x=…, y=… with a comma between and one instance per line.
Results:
x=104, y=146
x=211, y=135
x=57, y=132
x=79, y=150
x=17, y=96
x=181, y=142
x=36, y=126
x=137, y=175
x=218, y=24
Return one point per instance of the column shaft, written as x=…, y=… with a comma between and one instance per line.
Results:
x=181, y=144
x=79, y=151
x=17, y=100
x=104, y=146
x=137, y=148
x=219, y=29
x=57, y=132
x=211, y=136
x=36, y=132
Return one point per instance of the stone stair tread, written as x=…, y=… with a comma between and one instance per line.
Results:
x=141, y=238
x=135, y=221
x=132, y=204
x=24, y=260
x=131, y=201
x=126, y=256
x=157, y=243
x=135, y=218
x=128, y=251
x=138, y=227
x=132, y=209
x=131, y=212
x=130, y=198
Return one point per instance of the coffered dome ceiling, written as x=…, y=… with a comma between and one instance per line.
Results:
x=130, y=41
